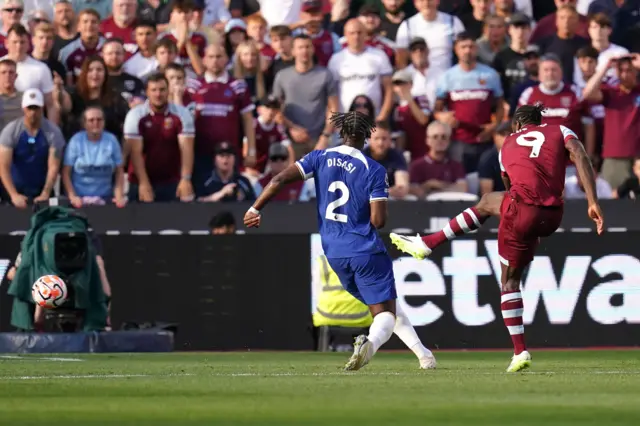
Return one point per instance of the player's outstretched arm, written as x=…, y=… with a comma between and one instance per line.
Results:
x=379, y=213
x=587, y=177
x=288, y=175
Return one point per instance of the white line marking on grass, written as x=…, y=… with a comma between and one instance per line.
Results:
x=41, y=358
x=93, y=376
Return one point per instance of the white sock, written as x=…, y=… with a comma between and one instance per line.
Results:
x=405, y=331
x=381, y=329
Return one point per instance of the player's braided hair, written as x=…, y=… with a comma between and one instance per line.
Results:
x=529, y=114
x=353, y=125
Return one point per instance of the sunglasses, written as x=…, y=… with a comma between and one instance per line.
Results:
x=13, y=9
x=278, y=158
x=438, y=136
x=39, y=20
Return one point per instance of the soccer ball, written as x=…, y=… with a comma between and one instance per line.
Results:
x=49, y=291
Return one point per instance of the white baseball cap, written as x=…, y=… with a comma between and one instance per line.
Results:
x=32, y=97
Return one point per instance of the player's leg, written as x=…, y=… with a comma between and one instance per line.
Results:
x=405, y=331
x=469, y=220
x=512, y=307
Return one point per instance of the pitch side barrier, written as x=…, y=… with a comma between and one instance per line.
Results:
x=257, y=292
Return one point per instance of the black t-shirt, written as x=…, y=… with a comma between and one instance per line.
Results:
x=392, y=162
x=278, y=65
x=115, y=114
x=247, y=7
x=242, y=192
x=628, y=187
x=565, y=49
x=387, y=28
x=56, y=66
x=510, y=65
x=472, y=25
x=127, y=85
x=58, y=44
x=159, y=15
x=489, y=168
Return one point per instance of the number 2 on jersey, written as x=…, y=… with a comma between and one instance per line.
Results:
x=534, y=140
x=344, y=197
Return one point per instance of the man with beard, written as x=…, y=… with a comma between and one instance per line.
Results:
x=130, y=87
x=391, y=19
x=89, y=43
x=122, y=24
x=371, y=20
x=160, y=138
x=509, y=62
x=64, y=26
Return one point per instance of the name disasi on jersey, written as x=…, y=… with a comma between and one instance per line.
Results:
x=339, y=162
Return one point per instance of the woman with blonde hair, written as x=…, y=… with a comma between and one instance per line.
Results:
x=247, y=65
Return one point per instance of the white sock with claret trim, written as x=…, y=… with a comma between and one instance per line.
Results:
x=381, y=329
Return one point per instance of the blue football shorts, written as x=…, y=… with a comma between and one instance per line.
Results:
x=369, y=278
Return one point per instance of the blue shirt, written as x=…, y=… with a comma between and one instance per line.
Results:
x=392, y=162
x=93, y=164
x=346, y=182
x=489, y=168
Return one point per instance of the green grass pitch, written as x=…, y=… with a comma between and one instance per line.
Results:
x=469, y=388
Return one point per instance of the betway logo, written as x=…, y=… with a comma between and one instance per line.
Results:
x=4, y=267
x=559, y=295
x=469, y=95
x=556, y=112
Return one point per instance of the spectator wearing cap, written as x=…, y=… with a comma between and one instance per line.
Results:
x=493, y=40
x=424, y=81
x=235, y=32
x=209, y=18
x=410, y=116
x=531, y=67
x=393, y=14
x=308, y=94
x=282, y=42
x=93, y=171
x=32, y=74
x=380, y=149
x=224, y=182
x=438, y=29
x=12, y=13
x=489, y=164
x=223, y=223
x=143, y=62
x=474, y=21
x=156, y=12
x=257, y=30
x=600, y=32
x=360, y=69
x=510, y=61
x=325, y=43
x=370, y=18
x=130, y=87
x=436, y=171
x=30, y=153
x=159, y=135
x=10, y=98
x=547, y=26
x=64, y=24
x=565, y=43
x=268, y=132
x=279, y=159
x=87, y=44
x=467, y=94
x=630, y=188
x=563, y=102
x=122, y=24
x=586, y=63
x=621, y=103
x=191, y=44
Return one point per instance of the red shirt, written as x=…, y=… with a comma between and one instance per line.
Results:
x=621, y=122
x=219, y=105
x=266, y=135
x=110, y=29
x=564, y=106
x=535, y=160
x=268, y=53
x=73, y=55
x=546, y=27
x=598, y=112
x=3, y=49
x=198, y=39
x=323, y=46
x=290, y=192
x=159, y=134
x=426, y=168
x=415, y=133
x=378, y=42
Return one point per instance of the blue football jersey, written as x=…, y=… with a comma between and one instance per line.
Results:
x=346, y=182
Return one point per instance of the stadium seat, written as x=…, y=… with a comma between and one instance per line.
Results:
x=452, y=196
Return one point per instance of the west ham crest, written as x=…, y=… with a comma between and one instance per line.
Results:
x=565, y=101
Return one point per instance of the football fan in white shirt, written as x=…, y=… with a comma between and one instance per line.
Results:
x=360, y=69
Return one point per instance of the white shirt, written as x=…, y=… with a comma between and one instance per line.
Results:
x=583, y=6
x=572, y=190
x=280, y=12
x=139, y=66
x=612, y=51
x=215, y=11
x=360, y=74
x=423, y=84
x=33, y=74
x=439, y=35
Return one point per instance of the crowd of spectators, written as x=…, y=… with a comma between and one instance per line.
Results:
x=120, y=101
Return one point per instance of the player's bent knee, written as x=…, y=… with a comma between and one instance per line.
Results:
x=378, y=308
